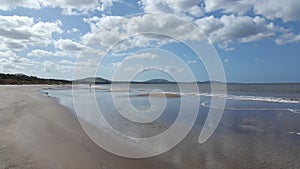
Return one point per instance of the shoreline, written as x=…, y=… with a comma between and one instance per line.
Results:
x=40, y=133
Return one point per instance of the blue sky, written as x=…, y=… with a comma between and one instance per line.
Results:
x=256, y=41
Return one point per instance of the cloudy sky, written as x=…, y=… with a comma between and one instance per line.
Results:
x=256, y=40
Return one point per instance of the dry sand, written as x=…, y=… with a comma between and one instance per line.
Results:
x=37, y=132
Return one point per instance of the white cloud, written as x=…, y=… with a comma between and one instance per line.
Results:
x=7, y=54
x=271, y=9
x=104, y=30
x=48, y=63
x=228, y=6
x=73, y=30
x=287, y=10
x=286, y=38
x=164, y=24
x=145, y=28
x=104, y=37
x=32, y=4
x=62, y=68
x=67, y=45
x=224, y=30
x=178, y=7
x=11, y=63
x=231, y=28
x=66, y=62
x=225, y=46
x=116, y=65
x=39, y=53
x=170, y=69
x=142, y=56
x=43, y=53
x=70, y=7
x=209, y=24
x=19, y=32
x=239, y=28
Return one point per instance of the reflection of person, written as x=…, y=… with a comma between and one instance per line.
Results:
x=90, y=87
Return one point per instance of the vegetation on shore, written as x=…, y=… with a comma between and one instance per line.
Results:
x=20, y=79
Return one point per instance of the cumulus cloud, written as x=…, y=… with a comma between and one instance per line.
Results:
x=66, y=62
x=224, y=30
x=104, y=30
x=8, y=54
x=271, y=9
x=49, y=64
x=10, y=62
x=70, y=7
x=228, y=6
x=145, y=28
x=39, y=53
x=163, y=24
x=179, y=7
x=19, y=32
x=240, y=28
x=73, y=30
x=182, y=7
x=142, y=56
x=32, y=4
x=63, y=66
x=286, y=38
x=75, y=7
x=67, y=45
x=43, y=53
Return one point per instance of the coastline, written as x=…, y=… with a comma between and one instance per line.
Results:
x=37, y=132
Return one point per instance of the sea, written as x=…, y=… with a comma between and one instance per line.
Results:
x=258, y=126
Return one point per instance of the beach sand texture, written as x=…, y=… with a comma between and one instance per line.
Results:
x=36, y=132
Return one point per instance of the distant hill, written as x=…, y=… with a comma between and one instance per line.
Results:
x=97, y=80
x=19, y=79
x=157, y=81
x=210, y=82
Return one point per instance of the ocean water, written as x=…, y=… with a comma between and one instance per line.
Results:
x=260, y=125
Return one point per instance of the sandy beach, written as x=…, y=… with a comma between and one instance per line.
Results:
x=37, y=132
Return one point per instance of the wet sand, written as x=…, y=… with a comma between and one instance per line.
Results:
x=37, y=132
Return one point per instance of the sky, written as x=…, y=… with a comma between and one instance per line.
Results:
x=256, y=41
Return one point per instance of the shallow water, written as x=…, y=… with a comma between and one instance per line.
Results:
x=260, y=127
